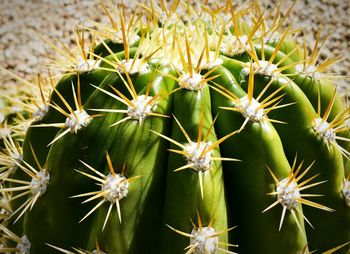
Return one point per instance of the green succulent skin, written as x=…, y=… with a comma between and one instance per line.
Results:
x=245, y=192
x=34, y=136
x=61, y=164
x=183, y=187
x=163, y=206
x=311, y=148
x=249, y=180
x=145, y=156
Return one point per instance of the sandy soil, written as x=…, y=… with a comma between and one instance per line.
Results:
x=23, y=52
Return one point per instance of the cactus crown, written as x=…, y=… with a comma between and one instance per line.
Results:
x=173, y=112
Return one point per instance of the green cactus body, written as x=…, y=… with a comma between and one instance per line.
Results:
x=324, y=158
x=62, y=160
x=194, y=135
x=250, y=182
x=38, y=139
x=200, y=188
x=144, y=156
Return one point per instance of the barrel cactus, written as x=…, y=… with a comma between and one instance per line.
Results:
x=180, y=129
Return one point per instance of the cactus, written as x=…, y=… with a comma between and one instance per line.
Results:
x=187, y=129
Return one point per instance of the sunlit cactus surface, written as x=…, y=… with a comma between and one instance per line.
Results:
x=178, y=128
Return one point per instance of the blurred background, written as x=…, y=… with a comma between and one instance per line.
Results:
x=23, y=52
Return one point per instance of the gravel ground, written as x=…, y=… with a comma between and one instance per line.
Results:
x=24, y=53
